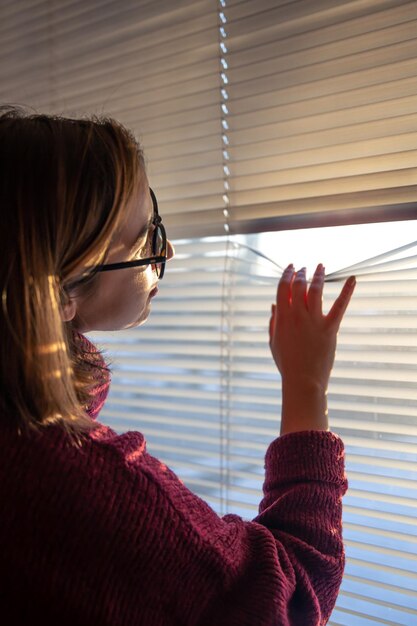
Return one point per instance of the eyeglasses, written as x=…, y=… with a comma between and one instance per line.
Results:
x=159, y=248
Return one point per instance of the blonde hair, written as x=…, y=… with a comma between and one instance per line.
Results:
x=64, y=186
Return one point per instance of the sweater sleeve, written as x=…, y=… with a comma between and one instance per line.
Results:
x=283, y=568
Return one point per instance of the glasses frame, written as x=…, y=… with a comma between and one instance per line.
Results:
x=152, y=260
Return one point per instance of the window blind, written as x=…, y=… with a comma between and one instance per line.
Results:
x=305, y=111
x=198, y=379
x=322, y=111
x=153, y=65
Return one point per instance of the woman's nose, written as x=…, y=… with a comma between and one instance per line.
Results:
x=170, y=250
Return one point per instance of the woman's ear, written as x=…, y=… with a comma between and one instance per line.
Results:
x=68, y=310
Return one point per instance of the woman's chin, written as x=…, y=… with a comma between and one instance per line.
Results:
x=142, y=319
x=109, y=324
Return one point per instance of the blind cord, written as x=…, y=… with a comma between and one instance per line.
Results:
x=226, y=323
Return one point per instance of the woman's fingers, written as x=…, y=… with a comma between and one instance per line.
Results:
x=292, y=290
x=299, y=290
x=315, y=292
x=284, y=288
x=335, y=315
x=292, y=293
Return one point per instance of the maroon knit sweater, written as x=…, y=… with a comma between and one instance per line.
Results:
x=107, y=535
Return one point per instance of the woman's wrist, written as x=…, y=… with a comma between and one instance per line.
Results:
x=304, y=407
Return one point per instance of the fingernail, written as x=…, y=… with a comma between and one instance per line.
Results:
x=290, y=267
x=320, y=268
x=351, y=282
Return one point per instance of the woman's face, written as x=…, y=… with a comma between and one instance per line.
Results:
x=122, y=298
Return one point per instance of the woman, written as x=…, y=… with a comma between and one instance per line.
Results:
x=94, y=530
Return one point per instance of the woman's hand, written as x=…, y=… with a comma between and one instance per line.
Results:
x=303, y=344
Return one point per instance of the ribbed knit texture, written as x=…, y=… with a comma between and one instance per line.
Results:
x=107, y=535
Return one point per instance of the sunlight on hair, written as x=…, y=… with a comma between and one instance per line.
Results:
x=58, y=373
x=4, y=299
x=52, y=347
x=52, y=280
x=117, y=249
